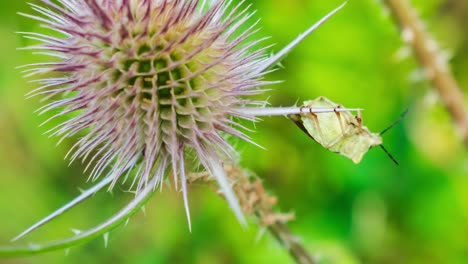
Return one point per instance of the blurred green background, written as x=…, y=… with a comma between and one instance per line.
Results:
x=373, y=212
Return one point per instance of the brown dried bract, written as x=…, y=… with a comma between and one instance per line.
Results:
x=253, y=198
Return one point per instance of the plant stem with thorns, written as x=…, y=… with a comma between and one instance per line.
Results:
x=435, y=65
x=255, y=201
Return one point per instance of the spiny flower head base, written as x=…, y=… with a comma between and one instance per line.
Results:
x=147, y=82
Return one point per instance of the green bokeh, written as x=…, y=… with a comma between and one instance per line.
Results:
x=373, y=212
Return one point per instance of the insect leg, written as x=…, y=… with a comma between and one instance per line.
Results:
x=359, y=119
x=317, y=124
x=340, y=119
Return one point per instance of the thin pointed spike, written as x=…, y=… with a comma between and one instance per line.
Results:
x=184, y=192
x=389, y=155
x=260, y=233
x=118, y=218
x=217, y=171
x=279, y=55
x=291, y=110
x=84, y=195
x=106, y=239
x=396, y=121
x=76, y=231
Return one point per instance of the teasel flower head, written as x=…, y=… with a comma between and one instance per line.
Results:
x=151, y=87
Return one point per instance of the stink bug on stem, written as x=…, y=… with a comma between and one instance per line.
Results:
x=339, y=131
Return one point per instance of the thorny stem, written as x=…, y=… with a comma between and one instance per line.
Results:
x=255, y=201
x=83, y=196
x=434, y=63
x=282, y=233
x=252, y=197
x=111, y=223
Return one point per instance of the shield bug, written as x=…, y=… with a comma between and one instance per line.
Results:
x=338, y=131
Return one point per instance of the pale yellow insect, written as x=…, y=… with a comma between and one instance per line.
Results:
x=340, y=132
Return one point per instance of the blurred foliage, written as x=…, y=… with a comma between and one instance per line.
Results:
x=373, y=212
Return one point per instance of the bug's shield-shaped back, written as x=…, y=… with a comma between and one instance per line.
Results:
x=340, y=132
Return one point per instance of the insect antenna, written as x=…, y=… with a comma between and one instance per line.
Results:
x=388, y=128
x=396, y=122
x=388, y=154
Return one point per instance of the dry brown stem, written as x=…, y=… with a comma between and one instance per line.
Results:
x=256, y=201
x=433, y=62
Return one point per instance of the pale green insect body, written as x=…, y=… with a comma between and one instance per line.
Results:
x=339, y=132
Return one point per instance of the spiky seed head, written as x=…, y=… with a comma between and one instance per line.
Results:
x=144, y=82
